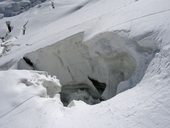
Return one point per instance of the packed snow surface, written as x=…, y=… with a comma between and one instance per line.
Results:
x=80, y=52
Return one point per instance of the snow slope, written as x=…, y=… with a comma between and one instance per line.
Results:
x=139, y=28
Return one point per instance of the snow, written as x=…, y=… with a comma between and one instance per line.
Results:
x=93, y=33
x=15, y=7
x=18, y=88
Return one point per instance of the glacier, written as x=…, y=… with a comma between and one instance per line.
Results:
x=109, y=61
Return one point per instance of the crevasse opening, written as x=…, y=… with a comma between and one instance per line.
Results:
x=91, y=70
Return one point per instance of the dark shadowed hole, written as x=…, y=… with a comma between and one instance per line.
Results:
x=98, y=85
x=28, y=61
x=82, y=92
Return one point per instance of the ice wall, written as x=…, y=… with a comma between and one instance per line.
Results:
x=106, y=58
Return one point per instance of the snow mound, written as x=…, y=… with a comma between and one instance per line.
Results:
x=18, y=87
